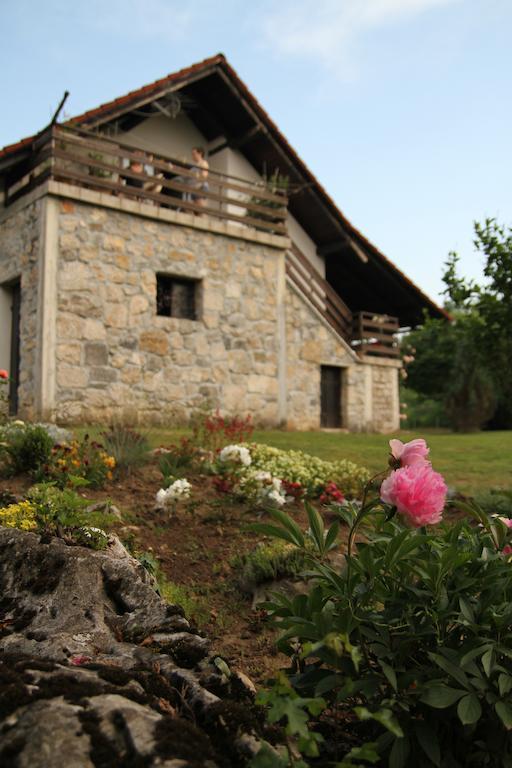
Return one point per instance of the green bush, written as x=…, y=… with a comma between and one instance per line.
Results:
x=310, y=471
x=129, y=448
x=267, y=562
x=495, y=502
x=411, y=642
x=24, y=447
x=64, y=513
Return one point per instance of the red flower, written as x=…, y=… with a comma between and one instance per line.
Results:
x=3, y=374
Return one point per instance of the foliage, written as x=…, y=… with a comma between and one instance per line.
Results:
x=497, y=502
x=64, y=513
x=129, y=447
x=178, y=594
x=411, y=644
x=311, y=472
x=285, y=705
x=466, y=365
x=211, y=431
x=173, y=462
x=55, y=512
x=78, y=462
x=21, y=515
x=276, y=183
x=267, y=562
x=448, y=366
x=24, y=447
x=420, y=410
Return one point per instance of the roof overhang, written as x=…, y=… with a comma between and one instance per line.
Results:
x=222, y=107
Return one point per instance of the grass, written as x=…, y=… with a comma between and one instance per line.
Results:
x=469, y=462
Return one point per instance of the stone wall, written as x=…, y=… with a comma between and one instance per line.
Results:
x=116, y=356
x=20, y=243
x=369, y=400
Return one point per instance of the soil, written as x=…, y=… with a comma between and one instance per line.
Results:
x=196, y=546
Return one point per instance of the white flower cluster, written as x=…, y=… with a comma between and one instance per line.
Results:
x=166, y=497
x=267, y=488
x=238, y=454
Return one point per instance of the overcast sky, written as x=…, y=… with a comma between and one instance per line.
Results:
x=401, y=108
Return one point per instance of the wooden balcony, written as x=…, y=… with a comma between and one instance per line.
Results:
x=375, y=335
x=367, y=333
x=321, y=295
x=86, y=159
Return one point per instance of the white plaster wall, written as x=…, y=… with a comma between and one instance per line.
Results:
x=5, y=327
x=305, y=244
x=166, y=136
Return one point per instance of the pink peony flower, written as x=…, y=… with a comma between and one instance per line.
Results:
x=409, y=454
x=417, y=492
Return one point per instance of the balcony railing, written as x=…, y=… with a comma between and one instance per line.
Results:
x=375, y=335
x=85, y=159
x=321, y=295
x=366, y=332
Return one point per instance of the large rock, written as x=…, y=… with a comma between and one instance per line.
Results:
x=97, y=671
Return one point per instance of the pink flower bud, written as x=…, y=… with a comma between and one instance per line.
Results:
x=417, y=492
x=409, y=454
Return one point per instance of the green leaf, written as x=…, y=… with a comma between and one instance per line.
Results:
x=473, y=654
x=504, y=712
x=332, y=535
x=290, y=525
x=450, y=669
x=428, y=741
x=469, y=709
x=441, y=696
x=272, y=530
x=383, y=716
x=268, y=757
x=466, y=610
x=390, y=674
x=399, y=753
x=316, y=525
x=488, y=661
x=367, y=752
x=504, y=684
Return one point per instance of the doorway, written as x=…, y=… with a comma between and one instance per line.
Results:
x=10, y=303
x=330, y=396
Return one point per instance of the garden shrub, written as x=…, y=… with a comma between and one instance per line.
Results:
x=267, y=562
x=63, y=512
x=78, y=462
x=211, y=431
x=496, y=502
x=411, y=643
x=24, y=447
x=129, y=447
x=311, y=472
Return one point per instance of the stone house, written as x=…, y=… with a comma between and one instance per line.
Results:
x=130, y=283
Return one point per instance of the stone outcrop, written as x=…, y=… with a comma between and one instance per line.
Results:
x=97, y=671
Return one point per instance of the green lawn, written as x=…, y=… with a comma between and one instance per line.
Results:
x=469, y=462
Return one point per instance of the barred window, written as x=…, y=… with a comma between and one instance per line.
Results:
x=176, y=297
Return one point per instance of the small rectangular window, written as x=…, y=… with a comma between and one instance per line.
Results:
x=176, y=297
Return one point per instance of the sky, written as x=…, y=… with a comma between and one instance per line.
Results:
x=401, y=108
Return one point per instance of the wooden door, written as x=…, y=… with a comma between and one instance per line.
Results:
x=330, y=396
x=14, y=370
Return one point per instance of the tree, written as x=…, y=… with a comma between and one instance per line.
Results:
x=466, y=364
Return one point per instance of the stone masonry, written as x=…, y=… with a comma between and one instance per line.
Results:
x=93, y=347
x=20, y=254
x=116, y=356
